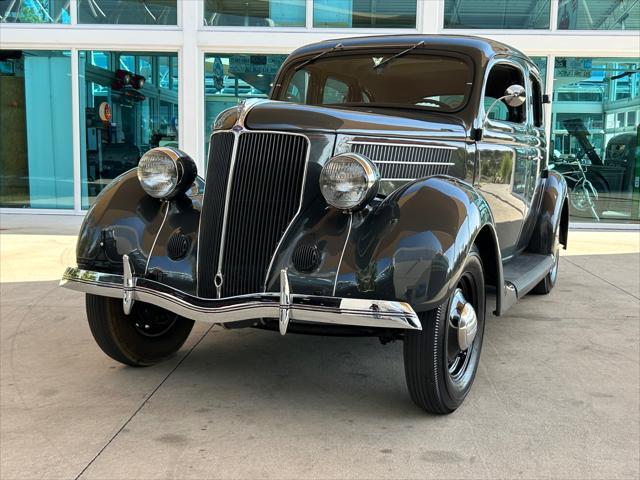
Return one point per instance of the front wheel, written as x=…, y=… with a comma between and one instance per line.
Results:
x=440, y=362
x=145, y=337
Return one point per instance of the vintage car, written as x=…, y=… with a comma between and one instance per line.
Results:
x=391, y=186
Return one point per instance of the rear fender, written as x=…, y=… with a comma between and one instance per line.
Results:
x=553, y=215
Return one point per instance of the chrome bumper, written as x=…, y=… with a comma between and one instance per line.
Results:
x=285, y=306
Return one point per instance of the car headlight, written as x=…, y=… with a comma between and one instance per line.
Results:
x=165, y=172
x=349, y=181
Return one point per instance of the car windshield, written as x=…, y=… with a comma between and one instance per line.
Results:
x=423, y=81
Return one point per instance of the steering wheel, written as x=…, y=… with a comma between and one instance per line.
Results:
x=437, y=103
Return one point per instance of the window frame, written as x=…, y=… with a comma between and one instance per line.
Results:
x=533, y=101
x=488, y=69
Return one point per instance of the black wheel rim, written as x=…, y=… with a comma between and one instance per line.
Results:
x=152, y=321
x=457, y=358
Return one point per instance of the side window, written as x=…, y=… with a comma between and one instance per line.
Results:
x=536, y=101
x=335, y=91
x=501, y=77
x=298, y=87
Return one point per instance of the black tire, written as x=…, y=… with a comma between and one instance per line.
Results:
x=125, y=338
x=432, y=384
x=545, y=285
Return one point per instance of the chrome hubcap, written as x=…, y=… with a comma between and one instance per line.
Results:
x=464, y=319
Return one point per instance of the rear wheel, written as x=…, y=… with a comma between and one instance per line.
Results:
x=145, y=337
x=440, y=361
x=547, y=283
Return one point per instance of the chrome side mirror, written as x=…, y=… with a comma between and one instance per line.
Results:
x=515, y=96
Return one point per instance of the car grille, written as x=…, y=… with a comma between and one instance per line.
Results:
x=264, y=195
x=406, y=162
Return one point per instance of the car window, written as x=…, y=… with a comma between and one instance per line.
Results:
x=335, y=91
x=298, y=87
x=418, y=81
x=536, y=101
x=499, y=110
x=501, y=77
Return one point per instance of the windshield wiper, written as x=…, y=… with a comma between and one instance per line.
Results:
x=321, y=54
x=397, y=55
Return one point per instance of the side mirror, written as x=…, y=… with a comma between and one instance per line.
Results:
x=515, y=96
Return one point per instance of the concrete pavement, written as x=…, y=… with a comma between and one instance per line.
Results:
x=557, y=394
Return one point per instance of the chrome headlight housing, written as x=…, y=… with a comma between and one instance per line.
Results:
x=349, y=181
x=165, y=172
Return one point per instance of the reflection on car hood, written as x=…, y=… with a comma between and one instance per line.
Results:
x=355, y=120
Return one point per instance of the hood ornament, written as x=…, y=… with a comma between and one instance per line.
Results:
x=242, y=110
x=377, y=61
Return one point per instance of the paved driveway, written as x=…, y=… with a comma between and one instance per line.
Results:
x=557, y=394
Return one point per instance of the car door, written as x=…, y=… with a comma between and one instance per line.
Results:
x=536, y=157
x=505, y=154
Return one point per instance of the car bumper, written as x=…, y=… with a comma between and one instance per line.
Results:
x=285, y=306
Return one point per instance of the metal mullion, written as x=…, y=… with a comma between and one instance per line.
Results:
x=553, y=11
x=309, y=15
x=73, y=11
x=75, y=129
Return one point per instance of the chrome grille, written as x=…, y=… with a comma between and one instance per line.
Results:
x=265, y=189
x=406, y=162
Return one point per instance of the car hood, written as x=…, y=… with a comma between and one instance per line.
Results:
x=276, y=115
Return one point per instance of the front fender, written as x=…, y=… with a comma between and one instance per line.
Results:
x=413, y=246
x=410, y=247
x=125, y=220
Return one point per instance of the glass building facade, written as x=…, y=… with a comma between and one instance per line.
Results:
x=497, y=14
x=36, y=142
x=105, y=80
x=231, y=78
x=128, y=104
x=594, y=135
x=128, y=12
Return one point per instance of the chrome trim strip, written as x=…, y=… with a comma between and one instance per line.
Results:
x=232, y=166
x=403, y=145
x=298, y=308
x=399, y=179
x=401, y=162
x=155, y=240
x=244, y=107
x=344, y=248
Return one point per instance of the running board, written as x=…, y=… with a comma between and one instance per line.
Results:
x=521, y=274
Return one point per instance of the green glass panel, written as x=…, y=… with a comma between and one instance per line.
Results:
x=36, y=154
x=364, y=14
x=256, y=13
x=594, y=135
x=34, y=11
x=140, y=118
x=599, y=15
x=497, y=14
x=128, y=12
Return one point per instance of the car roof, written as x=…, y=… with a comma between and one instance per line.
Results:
x=480, y=49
